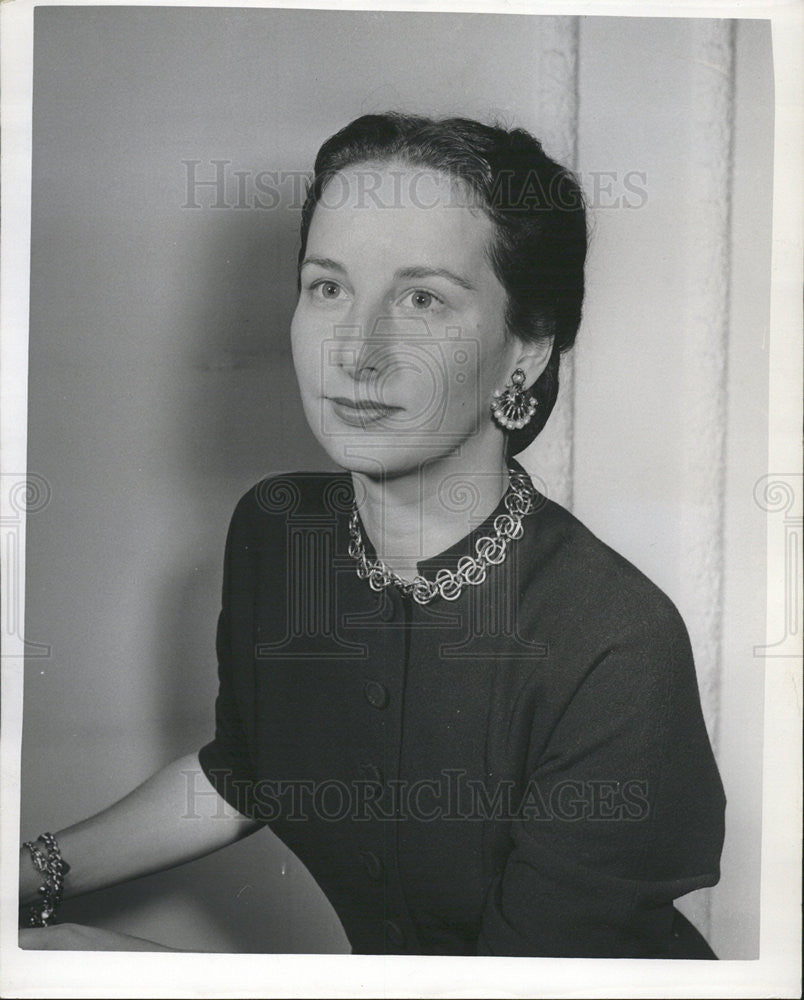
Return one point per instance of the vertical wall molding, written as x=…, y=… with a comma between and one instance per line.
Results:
x=703, y=378
x=704, y=386
x=556, y=125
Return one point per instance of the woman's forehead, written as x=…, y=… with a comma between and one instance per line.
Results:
x=399, y=206
x=393, y=185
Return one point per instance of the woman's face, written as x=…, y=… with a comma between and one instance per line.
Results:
x=399, y=333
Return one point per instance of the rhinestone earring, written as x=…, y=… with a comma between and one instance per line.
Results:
x=513, y=407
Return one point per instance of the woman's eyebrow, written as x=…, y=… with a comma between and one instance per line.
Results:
x=325, y=262
x=413, y=272
x=435, y=272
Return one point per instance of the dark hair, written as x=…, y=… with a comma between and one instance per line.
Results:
x=536, y=205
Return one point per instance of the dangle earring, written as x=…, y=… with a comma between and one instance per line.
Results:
x=513, y=407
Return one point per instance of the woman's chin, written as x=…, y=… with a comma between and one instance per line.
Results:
x=375, y=455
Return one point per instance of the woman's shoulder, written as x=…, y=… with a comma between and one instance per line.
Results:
x=291, y=494
x=599, y=583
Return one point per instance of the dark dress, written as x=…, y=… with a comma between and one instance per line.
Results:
x=523, y=771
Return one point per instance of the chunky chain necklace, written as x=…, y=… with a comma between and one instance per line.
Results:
x=490, y=551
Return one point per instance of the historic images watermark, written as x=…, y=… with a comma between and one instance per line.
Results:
x=218, y=184
x=450, y=795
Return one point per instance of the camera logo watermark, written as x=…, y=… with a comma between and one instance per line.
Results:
x=400, y=366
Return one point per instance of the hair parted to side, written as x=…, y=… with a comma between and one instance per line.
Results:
x=536, y=205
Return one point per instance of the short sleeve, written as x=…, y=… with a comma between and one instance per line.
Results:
x=227, y=760
x=622, y=812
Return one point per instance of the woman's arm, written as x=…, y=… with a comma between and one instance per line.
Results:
x=173, y=817
x=78, y=937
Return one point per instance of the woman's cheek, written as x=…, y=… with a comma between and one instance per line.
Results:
x=305, y=357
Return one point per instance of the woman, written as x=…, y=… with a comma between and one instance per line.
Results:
x=477, y=725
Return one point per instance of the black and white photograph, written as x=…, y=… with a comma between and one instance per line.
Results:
x=401, y=500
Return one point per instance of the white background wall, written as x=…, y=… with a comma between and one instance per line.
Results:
x=161, y=384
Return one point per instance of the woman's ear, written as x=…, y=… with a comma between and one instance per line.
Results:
x=533, y=358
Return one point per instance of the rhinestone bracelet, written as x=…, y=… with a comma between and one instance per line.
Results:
x=53, y=868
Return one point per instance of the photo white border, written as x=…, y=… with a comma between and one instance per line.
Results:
x=777, y=971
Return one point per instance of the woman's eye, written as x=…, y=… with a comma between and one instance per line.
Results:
x=327, y=289
x=421, y=299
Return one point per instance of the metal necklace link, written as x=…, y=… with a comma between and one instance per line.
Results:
x=471, y=570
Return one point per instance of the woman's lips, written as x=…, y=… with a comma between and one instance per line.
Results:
x=359, y=414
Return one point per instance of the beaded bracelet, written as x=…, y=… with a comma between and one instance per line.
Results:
x=53, y=868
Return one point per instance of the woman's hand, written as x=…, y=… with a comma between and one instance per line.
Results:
x=79, y=937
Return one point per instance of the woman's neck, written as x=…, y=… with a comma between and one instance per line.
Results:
x=415, y=516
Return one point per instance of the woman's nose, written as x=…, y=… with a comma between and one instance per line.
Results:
x=361, y=342
x=377, y=342
x=353, y=352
